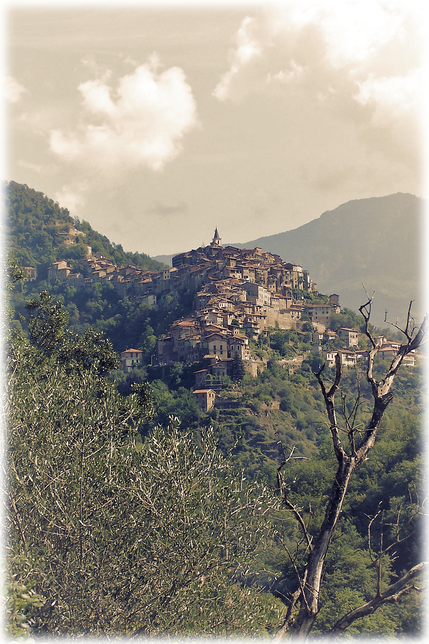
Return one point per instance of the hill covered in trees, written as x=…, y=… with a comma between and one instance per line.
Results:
x=39, y=231
x=105, y=488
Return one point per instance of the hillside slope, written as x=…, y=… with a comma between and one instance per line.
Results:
x=376, y=241
x=39, y=232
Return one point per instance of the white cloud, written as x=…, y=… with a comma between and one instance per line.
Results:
x=349, y=36
x=356, y=61
x=72, y=197
x=288, y=76
x=141, y=123
x=396, y=105
x=356, y=30
x=12, y=90
x=247, y=51
x=393, y=96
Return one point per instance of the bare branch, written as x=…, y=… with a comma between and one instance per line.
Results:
x=366, y=292
x=286, y=460
x=288, y=618
x=365, y=311
x=284, y=490
x=292, y=560
x=392, y=593
x=329, y=397
x=301, y=521
x=371, y=554
x=309, y=595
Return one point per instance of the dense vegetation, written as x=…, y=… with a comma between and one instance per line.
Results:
x=108, y=534
x=123, y=520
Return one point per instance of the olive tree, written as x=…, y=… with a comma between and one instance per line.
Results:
x=113, y=535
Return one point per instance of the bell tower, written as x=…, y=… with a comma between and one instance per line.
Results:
x=216, y=239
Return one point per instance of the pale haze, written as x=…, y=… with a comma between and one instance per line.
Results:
x=157, y=124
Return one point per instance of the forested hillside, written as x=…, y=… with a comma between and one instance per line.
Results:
x=36, y=228
x=132, y=511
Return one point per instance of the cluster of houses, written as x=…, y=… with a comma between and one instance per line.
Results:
x=270, y=281
x=146, y=286
x=247, y=288
x=216, y=347
x=351, y=353
x=238, y=294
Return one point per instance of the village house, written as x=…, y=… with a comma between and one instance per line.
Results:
x=257, y=294
x=217, y=345
x=390, y=349
x=59, y=270
x=238, y=346
x=131, y=359
x=319, y=313
x=351, y=336
x=348, y=358
x=205, y=398
x=31, y=273
x=329, y=335
x=77, y=278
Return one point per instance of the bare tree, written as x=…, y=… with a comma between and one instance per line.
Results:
x=305, y=602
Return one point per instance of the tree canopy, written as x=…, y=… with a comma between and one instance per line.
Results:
x=106, y=534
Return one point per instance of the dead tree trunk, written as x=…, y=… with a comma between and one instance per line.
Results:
x=348, y=460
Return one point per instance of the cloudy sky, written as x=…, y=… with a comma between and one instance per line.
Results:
x=157, y=123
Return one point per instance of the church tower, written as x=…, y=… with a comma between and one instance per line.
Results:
x=216, y=239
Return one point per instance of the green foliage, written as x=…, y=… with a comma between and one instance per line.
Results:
x=48, y=333
x=109, y=535
x=14, y=272
x=348, y=319
x=21, y=602
x=32, y=223
x=290, y=342
x=126, y=321
x=237, y=369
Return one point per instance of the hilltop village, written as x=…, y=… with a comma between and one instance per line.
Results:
x=237, y=294
x=252, y=288
x=260, y=279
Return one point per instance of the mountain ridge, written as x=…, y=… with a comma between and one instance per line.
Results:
x=375, y=241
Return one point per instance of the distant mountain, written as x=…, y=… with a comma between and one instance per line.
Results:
x=376, y=241
x=164, y=259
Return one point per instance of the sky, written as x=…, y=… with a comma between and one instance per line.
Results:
x=158, y=122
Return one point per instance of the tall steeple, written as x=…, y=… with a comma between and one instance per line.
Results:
x=216, y=239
